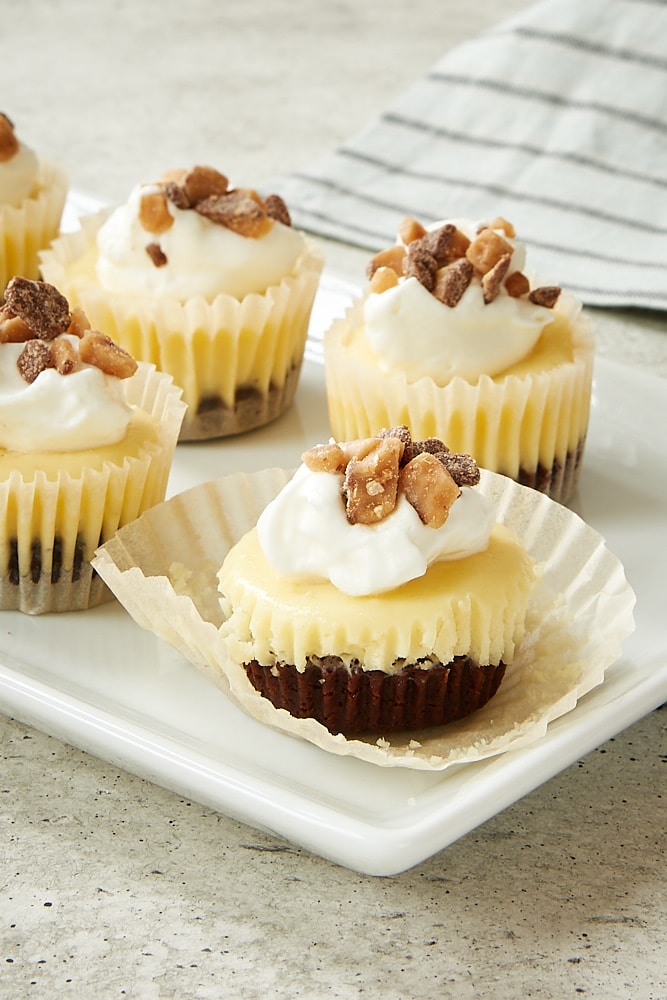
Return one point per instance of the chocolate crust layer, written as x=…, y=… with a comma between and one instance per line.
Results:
x=560, y=480
x=353, y=701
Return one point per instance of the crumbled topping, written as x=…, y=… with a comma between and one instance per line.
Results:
x=36, y=314
x=41, y=307
x=378, y=469
x=206, y=191
x=445, y=262
x=9, y=144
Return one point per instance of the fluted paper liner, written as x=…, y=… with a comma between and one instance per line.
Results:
x=28, y=228
x=54, y=525
x=163, y=570
x=519, y=423
x=237, y=361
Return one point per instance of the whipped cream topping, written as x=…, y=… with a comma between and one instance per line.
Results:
x=203, y=258
x=304, y=534
x=413, y=332
x=18, y=175
x=85, y=409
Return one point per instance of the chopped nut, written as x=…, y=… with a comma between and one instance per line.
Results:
x=154, y=216
x=410, y=230
x=63, y=356
x=156, y=254
x=202, y=182
x=14, y=331
x=546, y=295
x=486, y=250
x=429, y=487
x=383, y=279
x=420, y=264
x=99, y=350
x=277, y=210
x=325, y=458
x=39, y=305
x=517, y=284
x=34, y=359
x=452, y=280
x=371, y=483
x=462, y=468
x=238, y=211
x=79, y=322
x=391, y=257
x=9, y=144
x=493, y=279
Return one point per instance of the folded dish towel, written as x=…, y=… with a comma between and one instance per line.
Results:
x=555, y=119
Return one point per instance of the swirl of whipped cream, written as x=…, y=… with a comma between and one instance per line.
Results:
x=202, y=258
x=411, y=331
x=85, y=409
x=304, y=534
x=18, y=175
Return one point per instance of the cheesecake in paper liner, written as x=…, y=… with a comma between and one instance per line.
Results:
x=28, y=228
x=163, y=568
x=238, y=361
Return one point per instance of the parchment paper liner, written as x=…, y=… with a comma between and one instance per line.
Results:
x=81, y=506
x=211, y=349
x=28, y=228
x=514, y=424
x=581, y=613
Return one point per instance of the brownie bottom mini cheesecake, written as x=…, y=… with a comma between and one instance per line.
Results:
x=377, y=594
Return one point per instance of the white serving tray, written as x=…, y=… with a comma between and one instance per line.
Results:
x=97, y=681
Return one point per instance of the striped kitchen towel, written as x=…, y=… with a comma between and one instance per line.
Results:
x=555, y=119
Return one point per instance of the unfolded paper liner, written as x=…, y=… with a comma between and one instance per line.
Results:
x=163, y=568
x=50, y=527
x=237, y=360
x=515, y=425
x=28, y=228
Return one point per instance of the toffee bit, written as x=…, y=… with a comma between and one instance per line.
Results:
x=493, y=279
x=517, y=284
x=41, y=307
x=64, y=357
x=446, y=243
x=176, y=194
x=452, y=281
x=97, y=349
x=429, y=487
x=237, y=210
x=277, y=209
x=156, y=254
x=546, y=295
x=420, y=264
x=33, y=359
x=370, y=485
x=202, y=182
x=462, y=468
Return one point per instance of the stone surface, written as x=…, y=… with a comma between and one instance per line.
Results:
x=112, y=887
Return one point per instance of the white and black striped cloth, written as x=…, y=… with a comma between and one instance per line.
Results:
x=555, y=119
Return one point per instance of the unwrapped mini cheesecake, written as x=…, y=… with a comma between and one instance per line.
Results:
x=377, y=593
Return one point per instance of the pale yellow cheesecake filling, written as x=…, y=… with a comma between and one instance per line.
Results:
x=532, y=413
x=473, y=606
x=211, y=348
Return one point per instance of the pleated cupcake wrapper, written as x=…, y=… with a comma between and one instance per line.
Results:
x=27, y=229
x=211, y=349
x=518, y=424
x=163, y=570
x=51, y=528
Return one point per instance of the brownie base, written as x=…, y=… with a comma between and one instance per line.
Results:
x=559, y=481
x=354, y=702
x=252, y=408
x=44, y=584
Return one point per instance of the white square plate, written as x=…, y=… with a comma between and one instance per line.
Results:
x=97, y=681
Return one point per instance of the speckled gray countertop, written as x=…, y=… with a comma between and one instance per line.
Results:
x=113, y=887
